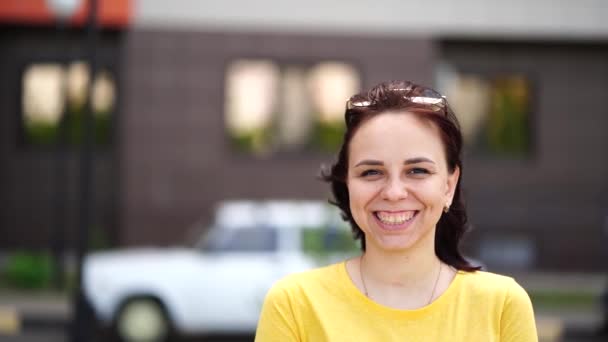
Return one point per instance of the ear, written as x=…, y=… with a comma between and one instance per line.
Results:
x=451, y=185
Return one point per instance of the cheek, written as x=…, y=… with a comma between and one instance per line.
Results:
x=354, y=195
x=360, y=195
x=432, y=195
x=361, y=192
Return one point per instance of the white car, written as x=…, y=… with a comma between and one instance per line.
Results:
x=219, y=285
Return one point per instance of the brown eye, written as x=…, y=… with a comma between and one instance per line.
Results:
x=367, y=173
x=419, y=171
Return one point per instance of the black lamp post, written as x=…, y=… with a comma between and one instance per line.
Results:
x=604, y=297
x=80, y=309
x=79, y=328
x=63, y=11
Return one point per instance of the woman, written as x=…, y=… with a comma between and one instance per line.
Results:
x=397, y=181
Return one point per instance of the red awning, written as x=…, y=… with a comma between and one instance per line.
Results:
x=112, y=13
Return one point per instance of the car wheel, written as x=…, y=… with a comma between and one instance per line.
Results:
x=143, y=320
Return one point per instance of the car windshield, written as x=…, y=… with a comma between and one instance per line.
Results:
x=251, y=239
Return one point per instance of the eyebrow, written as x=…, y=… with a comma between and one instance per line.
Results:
x=406, y=162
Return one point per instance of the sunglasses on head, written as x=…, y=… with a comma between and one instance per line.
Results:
x=435, y=101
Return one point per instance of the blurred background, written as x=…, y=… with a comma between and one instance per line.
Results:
x=130, y=127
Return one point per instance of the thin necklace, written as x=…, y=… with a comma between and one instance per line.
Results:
x=365, y=287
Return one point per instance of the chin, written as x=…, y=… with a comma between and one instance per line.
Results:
x=392, y=244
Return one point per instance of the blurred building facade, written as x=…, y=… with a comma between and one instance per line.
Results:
x=231, y=101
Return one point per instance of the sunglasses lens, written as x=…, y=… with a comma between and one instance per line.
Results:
x=354, y=104
x=429, y=97
x=431, y=94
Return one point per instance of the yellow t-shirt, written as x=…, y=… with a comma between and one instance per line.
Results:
x=325, y=305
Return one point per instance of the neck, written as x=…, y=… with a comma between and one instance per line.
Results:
x=408, y=269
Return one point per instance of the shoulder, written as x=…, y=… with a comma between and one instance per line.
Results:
x=487, y=278
x=290, y=301
x=306, y=281
x=487, y=283
x=498, y=294
x=504, y=296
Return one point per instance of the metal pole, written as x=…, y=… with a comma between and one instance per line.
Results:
x=60, y=194
x=79, y=328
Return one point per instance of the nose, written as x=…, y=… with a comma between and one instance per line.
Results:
x=394, y=190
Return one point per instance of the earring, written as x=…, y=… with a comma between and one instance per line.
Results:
x=446, y=208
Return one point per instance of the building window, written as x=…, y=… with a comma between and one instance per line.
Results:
x=272, y=107
x=50, y=91
x=494, y=111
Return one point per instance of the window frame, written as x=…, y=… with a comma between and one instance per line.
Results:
x=104, y=62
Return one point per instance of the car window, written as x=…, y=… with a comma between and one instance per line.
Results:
x=327, y=241
x=256, y=239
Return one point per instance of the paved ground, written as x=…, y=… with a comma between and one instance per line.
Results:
x=59, y=334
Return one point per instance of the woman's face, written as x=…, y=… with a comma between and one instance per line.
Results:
x=398, y=181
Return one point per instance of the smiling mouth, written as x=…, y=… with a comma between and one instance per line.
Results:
x=395, y=218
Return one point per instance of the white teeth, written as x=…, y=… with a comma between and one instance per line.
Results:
x=399, y=218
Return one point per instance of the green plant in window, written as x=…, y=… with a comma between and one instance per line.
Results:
x=103, y=123
x=327, y=136
x=46, y=133
x=41, y=133
x=508, y=124
x=256, y=141
x=101, y=127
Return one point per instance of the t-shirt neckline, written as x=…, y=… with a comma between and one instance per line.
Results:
x=370, y=304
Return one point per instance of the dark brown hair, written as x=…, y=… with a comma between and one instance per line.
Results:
x=402, y=96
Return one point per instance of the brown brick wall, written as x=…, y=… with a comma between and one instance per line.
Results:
x=27, y=181
x=559, y=196
x=176, y=163
x=171, y=162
